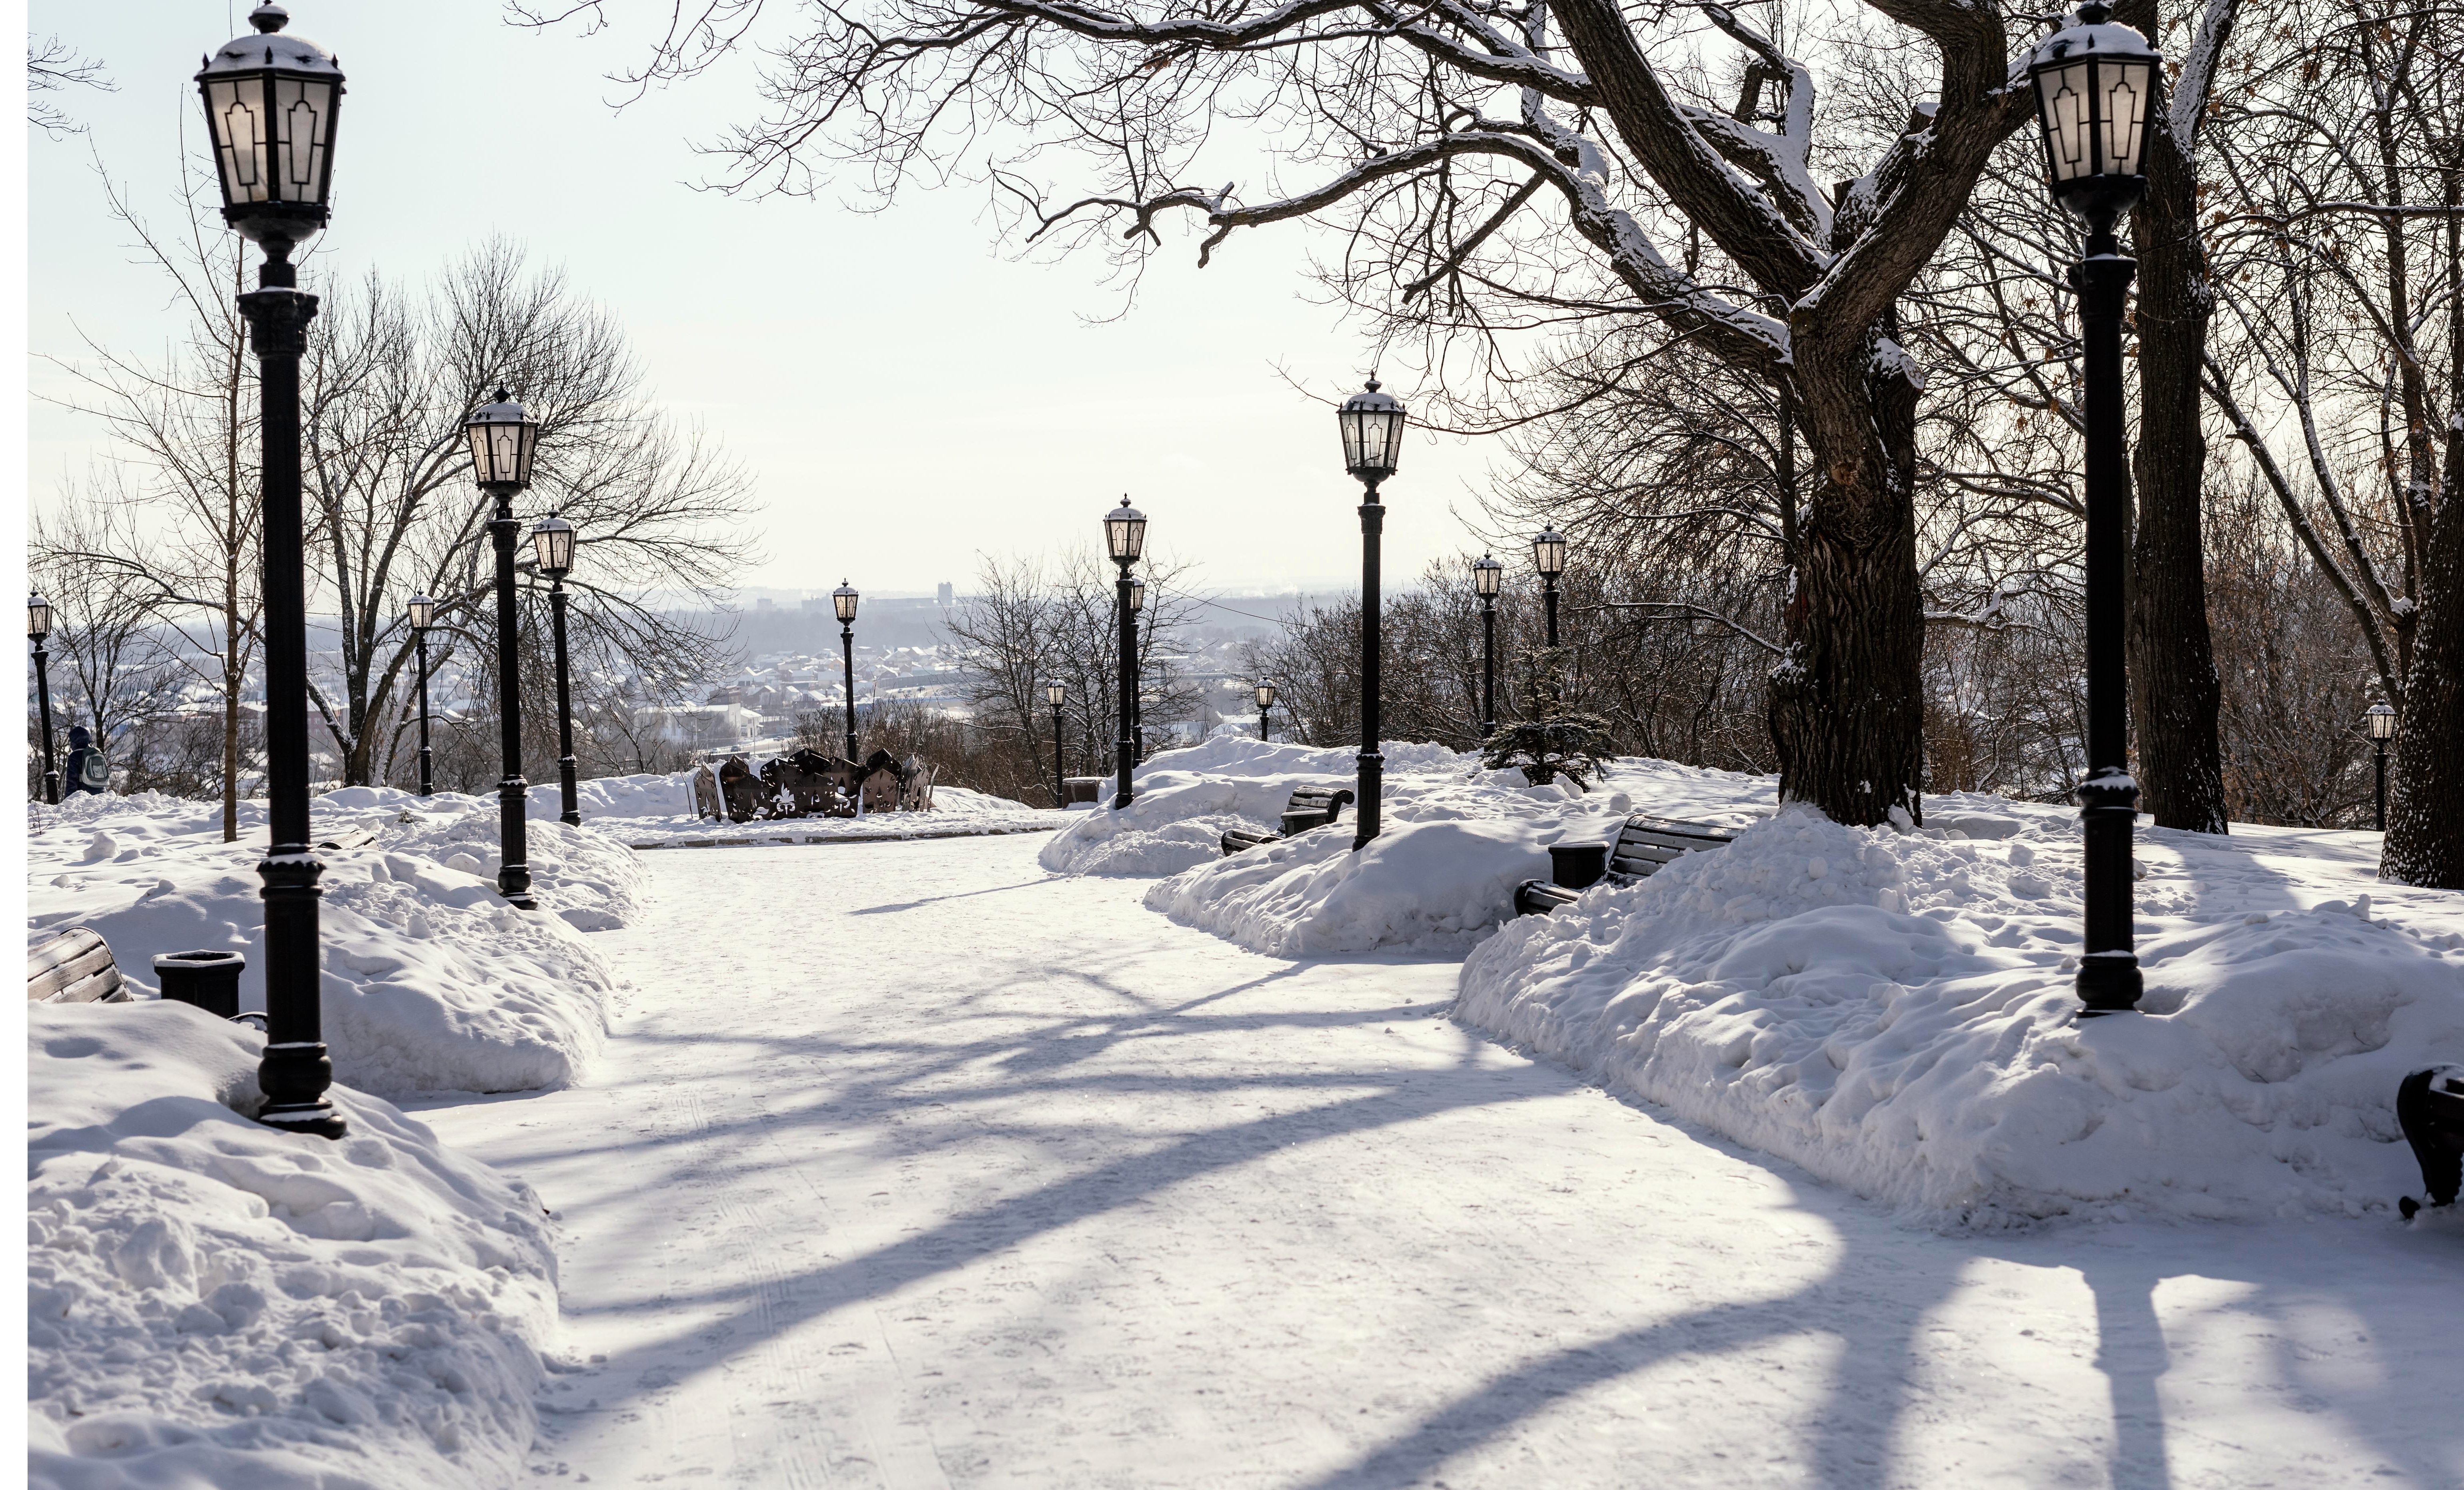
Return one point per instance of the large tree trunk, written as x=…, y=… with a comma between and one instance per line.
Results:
x=2425, y=837
x=1848, y=704
x=2173, y=692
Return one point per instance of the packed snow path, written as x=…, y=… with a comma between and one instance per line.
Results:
x=910, y=1165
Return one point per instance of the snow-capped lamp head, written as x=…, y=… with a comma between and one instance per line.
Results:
x=421, y=611
x=1125, y=534
x=1264, y=693
x=1549, y=553
x=38, y=617
x=2381, y=720
x=2096, y=87
x=1372, y=434
x=843, y=603
x=553, y=540
x=271, y=102
x=503, y=435
x=1056, y=694
x=1487, y=577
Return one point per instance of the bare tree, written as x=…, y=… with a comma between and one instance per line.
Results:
x=184, y=428
x=110, y=668
x=1617, y=191
x=388, y=385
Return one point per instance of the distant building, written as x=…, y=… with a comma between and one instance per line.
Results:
x=946, y=596
x=765, y=604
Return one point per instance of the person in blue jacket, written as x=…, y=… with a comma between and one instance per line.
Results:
x=89, y=770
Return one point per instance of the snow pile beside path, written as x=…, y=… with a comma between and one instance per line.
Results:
x=212, y=1302
x=1894, y=1012
x=1187, y=799
x=431, y=983
x=1457, y=840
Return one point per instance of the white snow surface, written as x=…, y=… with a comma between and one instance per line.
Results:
x=1456, y=840
x=212, y=1302
x=1894, y=1011
x=1022, y=1185
x=431, y=983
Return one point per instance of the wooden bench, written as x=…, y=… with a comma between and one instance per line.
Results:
x=1642, y=845
x=2429, y=1107
x=1309, y=807
x=73, y=966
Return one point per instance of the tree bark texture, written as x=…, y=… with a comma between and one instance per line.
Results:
x=2175, y=697
x=1848, y=704
x=2424, y=837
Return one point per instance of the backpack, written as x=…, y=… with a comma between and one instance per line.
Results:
x=96, y=771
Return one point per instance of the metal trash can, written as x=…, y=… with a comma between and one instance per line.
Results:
x=207, y=980
x=1579, y=865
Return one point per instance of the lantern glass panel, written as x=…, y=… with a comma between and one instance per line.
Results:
x=843, y=603
x=502, y=439
x=554, y=538
x=1372, y=423
x=38, y=617
x=1487, y=576
x=1125, y=533
x=1056, y=695
x=270, y=103
x=1137, y=595
x=2063, y=98
x=2383, y=720
x=1265, y=695
x=423, y=612
x=1549, y=553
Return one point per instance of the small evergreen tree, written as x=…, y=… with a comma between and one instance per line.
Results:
x=1551, y=740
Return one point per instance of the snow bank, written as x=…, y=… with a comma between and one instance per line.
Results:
x=431, y=983
x=1894, y=1012
x=212, y=1302
x=1457, y=839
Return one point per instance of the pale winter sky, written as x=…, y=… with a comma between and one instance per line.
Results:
x=905, y=396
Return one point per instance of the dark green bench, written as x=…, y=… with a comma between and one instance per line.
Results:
x=1309, y=807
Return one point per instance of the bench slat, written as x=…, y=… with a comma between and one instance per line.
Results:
x=55, y=980
x=75, y=942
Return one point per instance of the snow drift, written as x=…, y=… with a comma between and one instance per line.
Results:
x=430, y=982
x=212, y=1302
x=1457, y=839
x=1894, y=1012
x=657, y=812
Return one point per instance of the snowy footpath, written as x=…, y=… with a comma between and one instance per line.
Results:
x=916, y=1165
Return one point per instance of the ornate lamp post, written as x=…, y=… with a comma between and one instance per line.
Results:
x=2096, y=85
x=502, y=439
x=422, y=612
x=1264, y=693
x=843, y=604
x=2381, y=720
x=1487, y=577
x=39, y=627
x=1125, y=538
x=553, y=540
x=1549, y=557
x=1372, y=441
x=1057, y=693
x=271, y=102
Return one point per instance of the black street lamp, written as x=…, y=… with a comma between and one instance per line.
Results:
x=843, y=604
x=423, y=615
x=1057, y=694
x=553, y=540
x=2095, y=86
x=39, y=626
x=502, y=438
x=1487, y=577
x=2381, y=721
x=1125, y=538
x=271, y=102
x=1549, y=557
x=1265, y=694
x=1372, y=441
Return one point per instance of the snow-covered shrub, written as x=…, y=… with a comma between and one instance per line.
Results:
x=1894, y=1012
x=213, y=1303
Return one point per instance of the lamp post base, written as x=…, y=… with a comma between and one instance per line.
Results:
x=294, y=1076
x=2108, y=982
x=514, y=875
